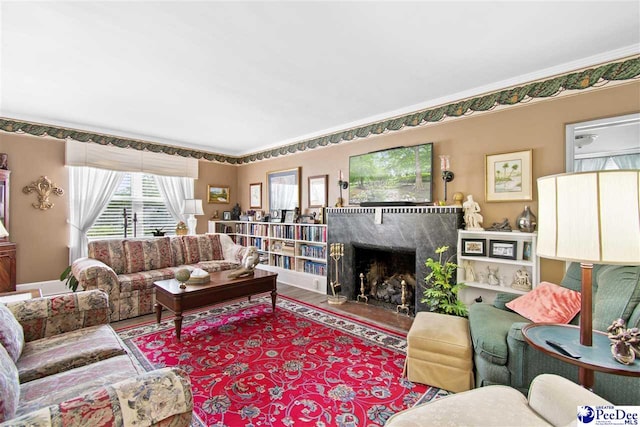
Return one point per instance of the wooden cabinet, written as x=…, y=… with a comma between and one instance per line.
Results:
x=7, y=249
x=7, y=266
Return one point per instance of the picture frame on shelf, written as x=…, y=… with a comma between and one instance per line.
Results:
x=218, y=194
x=226, y=215
x=508, y=177
x=255, y=195
x=474, y=247
x=289, y=216
x=318, y=191
x=505, y=249
x=526, y=251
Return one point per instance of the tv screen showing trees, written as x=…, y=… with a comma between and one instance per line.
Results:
x=397, y=175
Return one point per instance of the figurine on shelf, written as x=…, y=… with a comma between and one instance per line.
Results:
x=469, y=274
x=500, y=226
x=472, y=217
x=492, y=276
x=625, y=343
x=235, y=212
x=521, y=280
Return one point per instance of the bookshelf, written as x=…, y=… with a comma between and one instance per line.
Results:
x=297, y=252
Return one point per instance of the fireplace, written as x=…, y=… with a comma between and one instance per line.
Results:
x=380, y=272
x=396, y=231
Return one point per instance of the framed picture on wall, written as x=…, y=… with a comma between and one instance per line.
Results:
x=255, y=195
x=318, y=191
x=508, y=177
x=283, y=187
x=217, y=194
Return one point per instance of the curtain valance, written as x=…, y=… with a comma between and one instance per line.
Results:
x=128, y=160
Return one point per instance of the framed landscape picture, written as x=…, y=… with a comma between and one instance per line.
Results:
x=474, y=247
x=217, y=194
x=508, y=177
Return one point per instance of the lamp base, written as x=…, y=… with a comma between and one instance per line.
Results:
x=192, y=222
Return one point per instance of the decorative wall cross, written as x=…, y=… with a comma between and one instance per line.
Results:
x=44, y=187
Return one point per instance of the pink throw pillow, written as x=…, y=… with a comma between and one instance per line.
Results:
x=547, y=303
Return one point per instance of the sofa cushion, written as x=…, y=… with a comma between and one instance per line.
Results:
x=547, y=303
x=11, y=333
x=144, y=279
x=489, y=327
x=70, y=350
x=9, y=386
x=147, y=254
x=177, y=250
x=617, y=296
x=68, y=384
x=110, y=252
x=202, y=247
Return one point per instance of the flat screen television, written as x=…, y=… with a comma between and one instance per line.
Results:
x=396, y=176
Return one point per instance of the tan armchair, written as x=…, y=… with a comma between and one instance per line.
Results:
x=553, y=401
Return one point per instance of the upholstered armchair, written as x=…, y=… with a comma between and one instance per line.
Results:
x=552, y=401
x=502, y=356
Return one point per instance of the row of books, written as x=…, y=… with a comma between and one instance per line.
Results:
x=315, y=268
x=313, y=251
x=284, y=231
x=312, y=234
x=283, y=261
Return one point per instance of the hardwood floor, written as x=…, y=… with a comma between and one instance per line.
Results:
x=375, y=315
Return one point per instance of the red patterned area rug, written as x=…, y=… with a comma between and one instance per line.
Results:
x=298, y=366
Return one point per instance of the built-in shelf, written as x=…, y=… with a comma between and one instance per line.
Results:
x=297, y=252
x=524, y=254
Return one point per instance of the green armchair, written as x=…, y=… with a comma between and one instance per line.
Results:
x=502, y=356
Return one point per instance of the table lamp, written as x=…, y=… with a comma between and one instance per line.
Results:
x=191, y=208
x=591, y=218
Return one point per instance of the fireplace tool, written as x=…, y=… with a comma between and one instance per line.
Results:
x=403, y=299
x=336, y=252
x=362, y=295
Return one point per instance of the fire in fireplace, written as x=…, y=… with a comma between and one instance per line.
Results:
x=383, y=271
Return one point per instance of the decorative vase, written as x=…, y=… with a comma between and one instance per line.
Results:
x=527, y=221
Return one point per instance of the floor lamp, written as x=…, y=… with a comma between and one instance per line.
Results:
x=591, y=218
x=192, y=207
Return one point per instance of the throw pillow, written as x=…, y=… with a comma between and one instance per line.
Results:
x=547, y=303
x=11, y=333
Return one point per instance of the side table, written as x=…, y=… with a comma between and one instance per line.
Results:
x=595, y=358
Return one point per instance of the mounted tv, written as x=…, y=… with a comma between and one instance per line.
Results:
x=396, y=176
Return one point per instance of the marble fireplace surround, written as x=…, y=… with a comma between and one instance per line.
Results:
x=419, y=228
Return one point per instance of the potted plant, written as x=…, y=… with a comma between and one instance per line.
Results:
x=441, y=295
x=157, y=232
x=69, y=279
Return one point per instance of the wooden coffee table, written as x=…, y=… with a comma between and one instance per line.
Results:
x=219, y=289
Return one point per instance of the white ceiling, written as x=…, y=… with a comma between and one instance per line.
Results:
x=238, y=77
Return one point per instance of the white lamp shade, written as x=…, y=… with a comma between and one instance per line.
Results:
x=3, y=231
x=192, y=207
x=591, y=217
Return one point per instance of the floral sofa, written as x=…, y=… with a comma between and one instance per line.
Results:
x=126, y=268
x=62, y=364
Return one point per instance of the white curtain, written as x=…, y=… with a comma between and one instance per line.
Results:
x=628, y=161
x=586, y=165
x=90, y=191
x=174, y=190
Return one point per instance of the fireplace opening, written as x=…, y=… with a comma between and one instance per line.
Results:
x=384, y=270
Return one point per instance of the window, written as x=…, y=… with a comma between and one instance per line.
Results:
x=139, y=195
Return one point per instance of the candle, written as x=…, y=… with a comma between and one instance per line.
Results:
x=444, y=163
x=341, y=177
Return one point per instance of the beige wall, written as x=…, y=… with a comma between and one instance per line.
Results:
x=42, y=236
x=539, y=126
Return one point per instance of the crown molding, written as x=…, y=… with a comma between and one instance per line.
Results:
x=583, y=79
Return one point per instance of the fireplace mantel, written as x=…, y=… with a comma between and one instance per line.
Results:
x=419, y=228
